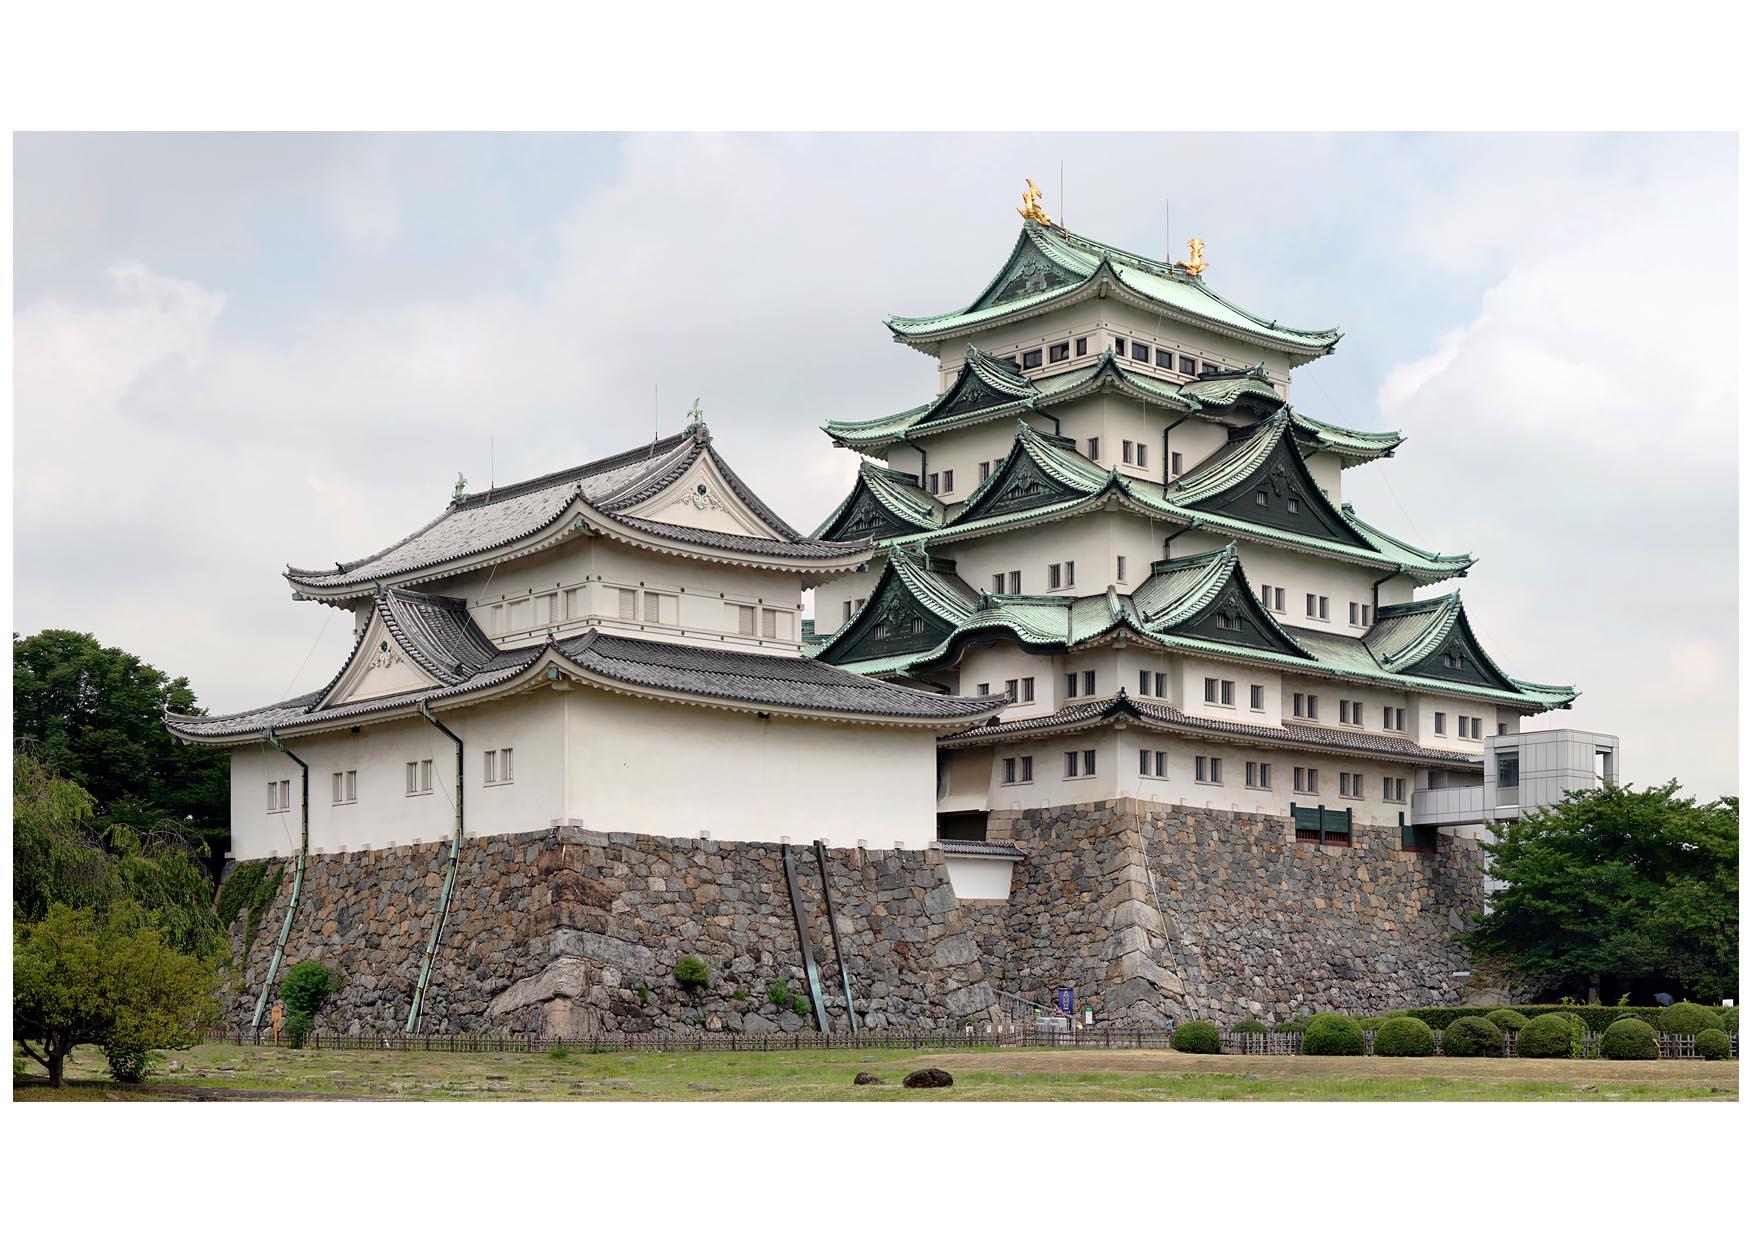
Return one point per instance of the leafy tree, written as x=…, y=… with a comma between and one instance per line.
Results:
x=80, y=976
x=306, y=988
x=95, y=714
x=59, y=858
x=1620, y=883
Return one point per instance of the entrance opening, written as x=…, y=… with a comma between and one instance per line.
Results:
x=969, y=824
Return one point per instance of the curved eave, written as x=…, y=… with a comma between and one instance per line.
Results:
x=562, y=526
x=534, y=676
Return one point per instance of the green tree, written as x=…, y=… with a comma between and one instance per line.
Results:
x=94, y=713
x=59, y=858
x=110, y=979
x=1620, y=883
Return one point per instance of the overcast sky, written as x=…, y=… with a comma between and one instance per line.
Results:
x=235, y=352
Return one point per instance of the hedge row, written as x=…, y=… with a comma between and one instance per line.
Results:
x=1596, y=1019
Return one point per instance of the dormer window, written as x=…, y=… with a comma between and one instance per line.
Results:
x=1293, y=504
x=1060, y=352
x=1263, y=499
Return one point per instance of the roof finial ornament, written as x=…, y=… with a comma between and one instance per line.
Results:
x=1196, y=266
x=695, y=417
x=1033, y=204
x=461, y=487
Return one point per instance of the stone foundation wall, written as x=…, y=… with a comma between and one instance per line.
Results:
x=1153, y=912
x=568, y=932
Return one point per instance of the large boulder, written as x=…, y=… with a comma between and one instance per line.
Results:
x=928, y=1078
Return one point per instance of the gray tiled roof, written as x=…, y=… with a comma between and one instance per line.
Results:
x=980, y=848
x=743, y=677
x=1294, y=735
x=492, y=519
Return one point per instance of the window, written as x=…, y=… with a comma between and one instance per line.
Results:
x=1072, y=764
x=346, y=787
x=1227, y=620
x=1093, y=447
x=1018, y=770
x=1306, y=779
x=419, y=778
x=1210, y=368
x=1366, y=615
x=1160, y=684
x=1129, y=452
x=984, y=688
x=744, y=619
x=1257, y=701
x=996, y=583
x=1208, y=770
x=1392, y=789
x=1087, y=761
x=1227, y=693
x=1262, y=499
x=1463, y=726
x=848, y=610
x=984, y=471
x=1348, y=784
x=1187, y=365
x=1257, y=774
x=1210, y=689
x=1349, y=712
x=1392, y=718
x=1312, y=601
x=1153, y=763
x=1142, y=683
x=1306, y=706
x=1118, y=346
x=1177, y=460
x=1440, y=723
x=768, y=623
x=1355, y=613
x=1070, y=681
x=948, y=481
x=1069, y=572
x=628, y=604
x=1293, y=504
x=498, y=763
x=279, y=796
x=1088, y=683
x=1054, y=575
x=1324, y=603
x=1059, y=352
x=652, y=608
x=1281, y=600
x=1453, y=659
x=1081, y=346
x=1121, y=568
x=1015, y=582
x=1030, y=359
x=573, y=604
x=1476, y=728
x=1163, y=359
x=933, y=484
x=1013, y=689
x=1507, y=770
x=1026, y=688
x=1142, y=456
x=1139, y=350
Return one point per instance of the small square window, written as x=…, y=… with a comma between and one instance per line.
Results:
x=984, y=688
x=1293, y=504
x=1059, y=352
x=1262, y=499
x=1030, y=359
x=1163, y=359
x=1139, y=350
x=1187, y=365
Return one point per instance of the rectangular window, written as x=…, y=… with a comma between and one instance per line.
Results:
x=1030, y=359
x=1257, y=699
x=848, y=610
x=1081, y=346
x=1366, y=615
x=744, y=619
x=1069, y=573
x=628, y=604
x=1281, y=600
x=1072, y=762
x=573, y=604
x=1070, y=681
x=768, y=622
x=1015, y=582
x=1121, y=568
x=1209, y=689
x=1139, y=350
x=1227, y=693
x=1507, y=770
x=1026, y=768
x=984, y=471
x=1306, y=779
x=1160, y=684
x=1343, y=711
x=1054, y=576
x=1440, y=723
x=1026, y=688
x=1142, y=456
x=1392, y=789
x=1013, y=689
x=948, y=481
x=1142, y=683
x=1129, y=452
x=1008, y=770
x=933, y=484
x=1463, y=727
x=1087, y=762
x=1187, y=365
x=1208, y=770
x=1146, y=766
x=1355, y=613
x=419, y=777
x=1312, y=601
x=1257, y=774
x=1312, y=706
x=1342, y=783
x=1093, y=447
x=1163, y=359
x=1088, y=683
x=1059, y=352
x=1178, y=462
x=1118, y=346
x=1476, y=728
x=1324, y=607
x=1300, y=706
x=984, y=688
x=997, y=583
x=1210, y=368
x=500, y=767
x=346, y=787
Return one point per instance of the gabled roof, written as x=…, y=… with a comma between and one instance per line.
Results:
x=662, y=670
x=914, y=605
x=882, y=503
x=1261, y=477
x=1164, y=717
x=1220, y=395
x=512, y=520
x=1199, y=604
x=1433, y=638
x=1049, y=266
x=1039, y=469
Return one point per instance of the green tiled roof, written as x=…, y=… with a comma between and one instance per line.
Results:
x=1178, y=591
x=1210, y=397
x=1066, y=264
x=892, y=491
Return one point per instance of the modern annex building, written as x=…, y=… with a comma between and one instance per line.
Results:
x=1107, y=689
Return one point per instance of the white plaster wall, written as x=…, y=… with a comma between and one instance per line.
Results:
x=1093, y=541
x=1194, y=670
x=980, y=878
x=1298, y=575
x=678, y=770
x=830, y=596
x=531, y=724
x=1327, y=471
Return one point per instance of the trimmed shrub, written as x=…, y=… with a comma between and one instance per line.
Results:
x=1596, y=1017
x=1250, y=1026
x=1729, y=1019
x=1404, y=1036
x=1630, y=1039
x=1507, y=1020
x=1688, y=1018
x=1290, y=1026
x=1472, y=1037
x=1331, y=1034
x=691, y=971
x=1197, y=1037
x=1550, y=1036
x=1713, y=1044
x=130, y=1065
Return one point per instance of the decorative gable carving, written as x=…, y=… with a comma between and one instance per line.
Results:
x=1020, y=485
x=1292, y=501
x=1460, y=660
x=379, y=667
x=892, y=622
x=867, y=517
x=1028, y=272
x=701, y=499
x=1235, y=618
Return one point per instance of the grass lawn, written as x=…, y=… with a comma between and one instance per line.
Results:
x=220, y=1073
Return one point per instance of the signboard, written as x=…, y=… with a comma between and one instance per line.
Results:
x=1066, y=1000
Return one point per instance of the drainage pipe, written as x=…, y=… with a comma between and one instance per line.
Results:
x=808, y=966
x=832, y=923
x=443, y=913
x=279, y=948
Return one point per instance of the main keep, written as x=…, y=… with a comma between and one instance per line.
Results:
x=1107, y=689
